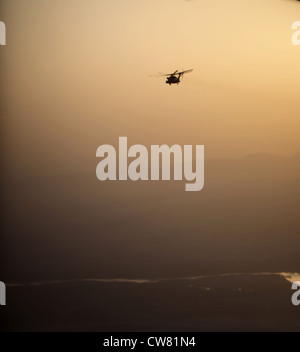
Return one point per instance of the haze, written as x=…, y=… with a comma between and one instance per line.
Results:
x=75, y=75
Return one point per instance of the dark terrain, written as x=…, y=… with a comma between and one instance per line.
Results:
x=73, y=227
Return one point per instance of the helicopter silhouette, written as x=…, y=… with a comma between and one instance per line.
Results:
x=173, y=78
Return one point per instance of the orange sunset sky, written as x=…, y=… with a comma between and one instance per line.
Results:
x=75, y=74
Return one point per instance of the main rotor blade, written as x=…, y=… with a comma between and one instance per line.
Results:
x=159, y=75
x=176, y=73
x=183, y=72
x=164, y=74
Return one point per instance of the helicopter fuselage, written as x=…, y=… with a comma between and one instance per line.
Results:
x=173, y=80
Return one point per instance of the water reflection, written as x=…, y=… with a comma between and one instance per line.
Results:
x=291, y=277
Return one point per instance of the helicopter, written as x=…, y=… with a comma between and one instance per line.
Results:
x=173, y=78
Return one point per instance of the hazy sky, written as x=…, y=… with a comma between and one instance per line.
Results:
x=75, y=75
